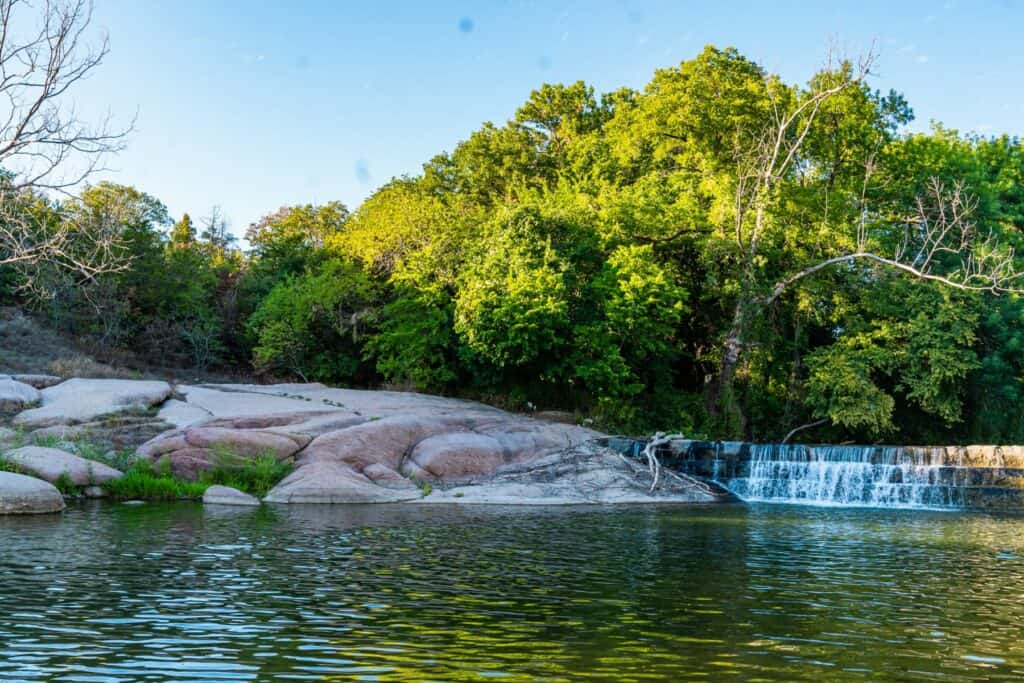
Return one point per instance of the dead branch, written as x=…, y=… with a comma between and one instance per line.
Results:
x=797, y=430
x=940, y=244
x=44, y=145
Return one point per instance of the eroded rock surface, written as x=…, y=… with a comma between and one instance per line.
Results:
x=83, y=400
x=582, y=475
x=351, y=446
x=50, y=464
x=193, y=450
x=24, y=495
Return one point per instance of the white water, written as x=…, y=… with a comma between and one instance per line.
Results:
x=851, y=475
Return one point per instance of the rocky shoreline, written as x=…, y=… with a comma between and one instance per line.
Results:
x=340, y=445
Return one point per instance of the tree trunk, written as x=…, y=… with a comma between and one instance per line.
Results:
x=721, y=404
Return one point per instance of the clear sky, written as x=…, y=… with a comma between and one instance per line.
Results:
x=252, y=105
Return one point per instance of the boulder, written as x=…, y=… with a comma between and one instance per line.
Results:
x=82, y=400
x=51, y=464
x=225, y=495
x=334, y=482
x=15, y=395
x=21, y=495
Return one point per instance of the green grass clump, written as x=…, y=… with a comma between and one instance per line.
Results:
x=255, y=476
x=7, y=466
x=143, y=481
x=66, y=486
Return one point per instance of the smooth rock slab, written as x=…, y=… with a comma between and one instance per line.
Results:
x=52, y=463
x=182, y=414
x=23, y=495
x=82, y=400
x=225, y=495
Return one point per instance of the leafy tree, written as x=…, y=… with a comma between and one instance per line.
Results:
x=315, y=325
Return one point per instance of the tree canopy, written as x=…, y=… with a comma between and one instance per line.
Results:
x=722, y=253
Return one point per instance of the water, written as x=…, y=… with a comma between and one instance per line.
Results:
x=774, y=593
x=851, y=475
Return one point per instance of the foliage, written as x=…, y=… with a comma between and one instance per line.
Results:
x=315, y=325
x=640, y=257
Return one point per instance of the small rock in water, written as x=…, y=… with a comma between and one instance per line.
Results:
x=21, y=495
x=94, y=492
x=225, y=495
x=133, y=502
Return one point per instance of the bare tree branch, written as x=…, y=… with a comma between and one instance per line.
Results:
x=941, y=236
x=44, y=145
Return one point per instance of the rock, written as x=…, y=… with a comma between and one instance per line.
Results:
x=94, y=492
x=580, y=476
x=114, y=432
x=364, y=463
x=15, y=395
x=51, y=464
x=334, y=482
x=182, y=414
x=225, y=495
x=560, y=416
x=38, y=381
x=82, y=400
x=7, y=436
x=193, y=450
x=454, y=457
x=354, y=446
x=229, y=401
x=21, y=495
x=381, y=475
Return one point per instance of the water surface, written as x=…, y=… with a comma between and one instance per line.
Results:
x=778, y=593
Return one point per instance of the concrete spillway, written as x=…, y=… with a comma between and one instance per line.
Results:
x=986, y=477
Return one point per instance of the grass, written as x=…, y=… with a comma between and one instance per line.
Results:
x=143, y=481
x=254, y=474
x=6, y=466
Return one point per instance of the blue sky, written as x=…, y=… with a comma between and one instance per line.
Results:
x=252, y=105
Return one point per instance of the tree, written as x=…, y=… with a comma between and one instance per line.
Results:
x=183, y=234
x=44, y=145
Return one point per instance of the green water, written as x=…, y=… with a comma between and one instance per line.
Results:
x=175, y=592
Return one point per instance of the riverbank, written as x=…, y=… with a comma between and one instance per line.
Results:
x=306, y=443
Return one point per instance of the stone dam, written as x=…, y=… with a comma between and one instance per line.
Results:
x=952, y=477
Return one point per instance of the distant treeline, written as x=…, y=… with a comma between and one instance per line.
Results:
x=720, y=253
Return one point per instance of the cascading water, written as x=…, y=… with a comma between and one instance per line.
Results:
x=850, y=475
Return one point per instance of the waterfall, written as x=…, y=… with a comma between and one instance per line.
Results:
x=888, y=476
